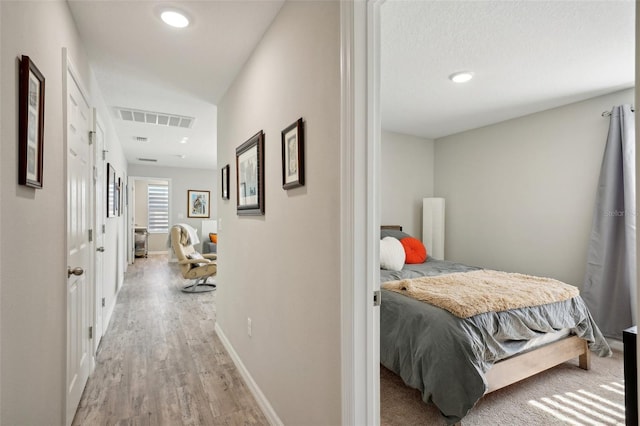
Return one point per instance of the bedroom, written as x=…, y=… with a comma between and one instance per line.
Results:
x=515, y=182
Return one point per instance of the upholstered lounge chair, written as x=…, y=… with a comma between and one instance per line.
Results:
x=193, y=265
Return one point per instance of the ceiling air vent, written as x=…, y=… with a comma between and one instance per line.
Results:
x=148, y=160
x=157, y=118
x=141, y=139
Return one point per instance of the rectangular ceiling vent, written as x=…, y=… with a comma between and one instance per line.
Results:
x=141, y=139
x=149, y=160
x=157, y=118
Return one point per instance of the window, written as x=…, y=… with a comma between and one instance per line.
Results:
x=158, y=207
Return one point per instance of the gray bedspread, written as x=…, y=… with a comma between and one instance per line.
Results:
x=445, y=357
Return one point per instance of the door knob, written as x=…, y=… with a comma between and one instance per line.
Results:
x=74, y=271
x=100, y=249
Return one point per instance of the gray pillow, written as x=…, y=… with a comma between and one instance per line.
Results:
x=393, y=233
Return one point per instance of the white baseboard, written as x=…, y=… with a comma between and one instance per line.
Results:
x=262, y=400
x=615, y=344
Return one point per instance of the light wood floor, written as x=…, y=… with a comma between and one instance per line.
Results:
x=160, y=361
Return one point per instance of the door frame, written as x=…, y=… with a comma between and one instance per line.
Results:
x=98, y=181
x=68, y=68
x=132, y=212
x=360, y=210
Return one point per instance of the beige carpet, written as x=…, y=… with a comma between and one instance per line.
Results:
x=563, y=395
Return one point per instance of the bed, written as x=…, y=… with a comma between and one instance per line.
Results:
x=455, y=361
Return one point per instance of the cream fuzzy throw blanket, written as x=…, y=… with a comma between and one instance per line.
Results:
x=466, y=294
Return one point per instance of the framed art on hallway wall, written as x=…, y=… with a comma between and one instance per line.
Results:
x=198, y=203
x=225, y=182
x=293, y=155
x=31, y=124
x=250, y=176
x=112, y=191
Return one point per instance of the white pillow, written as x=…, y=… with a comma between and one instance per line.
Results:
x=392, y=255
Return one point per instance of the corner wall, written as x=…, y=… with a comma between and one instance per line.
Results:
x=33, y=284
x=282, y=269
x=407, y=172
x=521, y=194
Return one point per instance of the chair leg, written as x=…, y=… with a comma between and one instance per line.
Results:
x=200, y=285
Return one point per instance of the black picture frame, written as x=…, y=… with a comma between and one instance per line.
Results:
x=112, y=191
x=250, y=198
x=293, y=155
x=225, y=182
x=31, y=124
x=119, y=197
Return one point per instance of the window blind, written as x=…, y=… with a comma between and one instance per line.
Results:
x=158, y=208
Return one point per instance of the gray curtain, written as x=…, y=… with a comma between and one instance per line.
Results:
x=610, y=281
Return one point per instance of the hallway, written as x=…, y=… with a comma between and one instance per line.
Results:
x=161, y=362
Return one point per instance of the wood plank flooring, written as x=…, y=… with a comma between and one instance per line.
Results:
x=161, y=362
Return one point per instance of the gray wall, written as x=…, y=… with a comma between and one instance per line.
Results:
x=33, y=262
x=282, y=269
x=520, y=194
x=182, y=180
x=407, y=171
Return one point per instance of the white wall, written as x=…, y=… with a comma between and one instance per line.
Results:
x=33, y=222
x=33, y=279
x=520, y=194
x=407, y=171
x=282, y=269
x=115, y=241
x=182, y=180
x=1, y=133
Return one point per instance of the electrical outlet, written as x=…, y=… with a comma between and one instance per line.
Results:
x=249, y=326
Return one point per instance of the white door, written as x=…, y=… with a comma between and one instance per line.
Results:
x=79, y=249
x=99, y=228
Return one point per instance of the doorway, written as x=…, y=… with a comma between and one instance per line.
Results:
x=150, y=216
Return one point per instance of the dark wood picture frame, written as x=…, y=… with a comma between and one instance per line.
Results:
x=225, y=182
x=120, y=197
x=112, y=191
x=31, y=124
x=293, y=155
x=250, y=197
x=198, y=203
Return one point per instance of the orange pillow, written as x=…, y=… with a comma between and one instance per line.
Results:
x=414, y=249
x=213, y=237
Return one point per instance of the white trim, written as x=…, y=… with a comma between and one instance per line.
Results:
x=262, y=400
x=69, y=69
x=360, y=211
x=158, y=251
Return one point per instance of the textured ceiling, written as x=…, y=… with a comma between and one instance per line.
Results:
x=527, y=56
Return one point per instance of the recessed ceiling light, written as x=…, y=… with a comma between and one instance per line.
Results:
x=461, y=77
x=184, y=140
x=174, y=18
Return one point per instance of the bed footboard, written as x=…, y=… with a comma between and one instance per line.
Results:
x=520, y=367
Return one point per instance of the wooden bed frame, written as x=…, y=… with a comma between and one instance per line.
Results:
x=527, y=364
x=519, y=367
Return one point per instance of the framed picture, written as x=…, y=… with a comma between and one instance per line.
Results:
x=112, y=191
x=119, y=197
x=293, y=155
x=198, y=203
x=225, y=182
x=250, y=176
x=31, y=124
